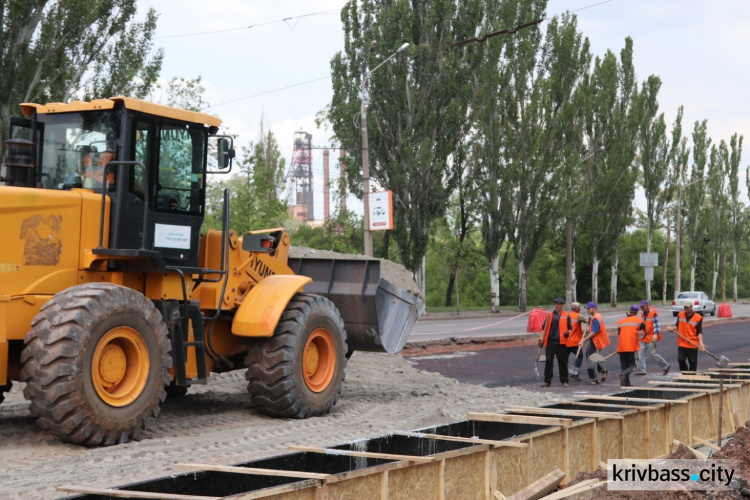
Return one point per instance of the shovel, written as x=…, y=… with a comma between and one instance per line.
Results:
x=536, y=363
x=722, y=361
x=598, y=358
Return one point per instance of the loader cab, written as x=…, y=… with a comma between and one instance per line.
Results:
x=150, y=160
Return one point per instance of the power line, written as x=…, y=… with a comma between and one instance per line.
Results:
x=269, y=91
x=284, y=20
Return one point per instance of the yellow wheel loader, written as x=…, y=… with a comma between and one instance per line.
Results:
x=111, y=298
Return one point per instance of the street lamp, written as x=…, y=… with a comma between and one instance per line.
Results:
x=569, y=241
x=366, y=151
x=677, y=242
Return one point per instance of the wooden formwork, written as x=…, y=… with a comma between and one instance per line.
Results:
x=471, y=459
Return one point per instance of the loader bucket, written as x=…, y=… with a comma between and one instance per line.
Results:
x=378, y=315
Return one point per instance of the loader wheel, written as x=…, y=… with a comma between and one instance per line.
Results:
x=95, y=364
x=298, y=372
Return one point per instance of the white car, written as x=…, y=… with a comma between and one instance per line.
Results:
x=701, y=303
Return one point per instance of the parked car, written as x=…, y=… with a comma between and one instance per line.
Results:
x=701, y=303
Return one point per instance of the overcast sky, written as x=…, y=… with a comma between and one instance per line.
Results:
x=255, y=58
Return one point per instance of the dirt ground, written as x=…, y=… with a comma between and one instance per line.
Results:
x=216, y=424
x=736, y=448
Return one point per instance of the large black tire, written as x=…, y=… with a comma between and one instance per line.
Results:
x=282, y=383
x=95, y=364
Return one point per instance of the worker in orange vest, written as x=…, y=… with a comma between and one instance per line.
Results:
x=689, y=325
x=628, y=330
x=648, y=342
x=555, y=333
x=599, y=340
x=576, y=334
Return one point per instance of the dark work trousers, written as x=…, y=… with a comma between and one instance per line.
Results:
x=627, y=364
x=594, y=368
x=559, y=351
x=578, y=360
x=687, y=358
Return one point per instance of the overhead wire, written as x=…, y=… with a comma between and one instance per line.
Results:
x=283, y=20
x=327, y=77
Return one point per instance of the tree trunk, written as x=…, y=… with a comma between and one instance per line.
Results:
x=494, y=284
x=735, y=271
x=693, y=263
x=613, y=287
x=573, y=272
x=648, y=250
x=715, y=262
x=666, y=261
x=521, y=286
x=449, y=290
x=595, y=279
x=458, y=297
x=419, y=277
x=724, y=279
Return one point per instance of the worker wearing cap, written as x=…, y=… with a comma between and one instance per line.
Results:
x=576, y=334
x=555, y=333
x=599, y=340
x=628, y=330
x=648, y=342
x=689, y=325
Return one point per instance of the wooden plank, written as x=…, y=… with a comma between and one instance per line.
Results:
x=706, y=443
x=366, y=454
x=676, y=389
x=642, y=400
x=540, y=487
x=697, y=453
x=519, y=419
x=499, y=496
x=254, y=471
x=609, y=405
x=572, y=413
x=694, y=385
x=494, y=442
x=587, y=485
x=131, y=494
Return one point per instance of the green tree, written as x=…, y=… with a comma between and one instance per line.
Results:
x=540, y=136
x=417, y=105
x=716, y=208
x=611, y=179
x=694, y=193
x=736, y=208
x=56, y=49
x=654, y=157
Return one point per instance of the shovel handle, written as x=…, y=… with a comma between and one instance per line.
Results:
x=693, y=343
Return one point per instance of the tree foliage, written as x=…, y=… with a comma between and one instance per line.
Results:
x=53, y=50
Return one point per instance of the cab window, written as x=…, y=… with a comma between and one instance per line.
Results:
x=182, y=157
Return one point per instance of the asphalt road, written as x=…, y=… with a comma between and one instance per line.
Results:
x=511, y=364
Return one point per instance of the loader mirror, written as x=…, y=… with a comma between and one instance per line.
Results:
x=225, y=153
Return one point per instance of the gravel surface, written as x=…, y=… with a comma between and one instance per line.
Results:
x=216, y=424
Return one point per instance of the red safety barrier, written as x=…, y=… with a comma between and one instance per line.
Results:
x=536, y=320
x=724, y=310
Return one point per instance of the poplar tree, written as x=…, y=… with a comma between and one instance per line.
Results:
x=54, y=50
x=736, y=208
x=694, y=193
x=611, y=179
x=417, y=105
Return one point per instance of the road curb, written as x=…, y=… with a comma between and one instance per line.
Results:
x=468, y=343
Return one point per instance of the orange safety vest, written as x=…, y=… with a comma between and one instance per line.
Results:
x=562, y=327
x=96, y=172
x=628, y=336
x=687, y=328
x=601, y=339
x=576, y=334
x=649, y=320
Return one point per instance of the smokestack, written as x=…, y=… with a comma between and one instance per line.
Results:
x=326, y=188
x=342, y=183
